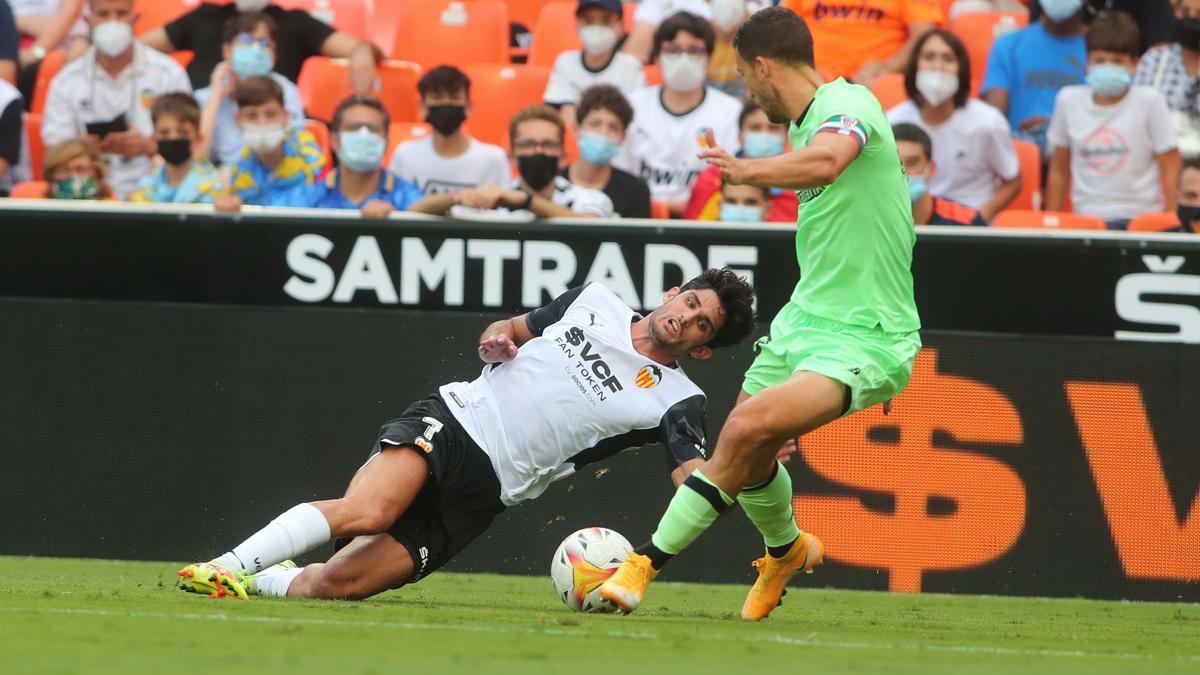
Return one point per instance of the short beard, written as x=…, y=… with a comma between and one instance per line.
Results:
x=774, y=107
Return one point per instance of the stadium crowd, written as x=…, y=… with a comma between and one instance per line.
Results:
x=1086, y=108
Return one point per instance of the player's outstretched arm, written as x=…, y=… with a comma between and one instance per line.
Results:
x=500, y=340
x=817, y=165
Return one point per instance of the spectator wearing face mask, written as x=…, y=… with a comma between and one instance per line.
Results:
x=107, y=94
x=181, y=178
x=1153, y=17
x=743, y=203
x=73, y=169
x=1174, y=70
x=977, y=161
x=916, y=156
x=536, y=134
x=279, y=160
x=448, y=160
x=669, y=121
x=1189, y=196
x=604, y=116
x=1111, y=142
x=757, y=137
x=1027, y=68
x=249, y=51
x=360, y=182
x=599, y=26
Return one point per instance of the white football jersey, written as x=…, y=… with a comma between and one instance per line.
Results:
x=661, y=147
x=577, y=393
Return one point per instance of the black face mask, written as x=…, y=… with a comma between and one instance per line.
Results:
x=175, y=151
x=537, y=170
x=1187, y=216
x=446, y=119
x=1187, y=33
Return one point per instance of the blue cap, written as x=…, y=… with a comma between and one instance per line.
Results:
x=610, y=5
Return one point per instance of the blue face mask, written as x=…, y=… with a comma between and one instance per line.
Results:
x=1109, y=79
x=917, y=188
x=1061, y=10
x=361, y=150
x=597, y=150
x=252, y=60
x=740, y=213
x=762, y=144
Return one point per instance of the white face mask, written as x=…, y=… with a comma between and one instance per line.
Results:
x=597, y=39
x=727, y=14
x=936, y=86
x=682, y=72
x=112, y=38
x=252, y=5
x=263, y=138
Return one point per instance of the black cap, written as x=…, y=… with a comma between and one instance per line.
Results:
x=610, y=5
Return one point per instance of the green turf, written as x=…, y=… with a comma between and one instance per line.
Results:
x=82, y=616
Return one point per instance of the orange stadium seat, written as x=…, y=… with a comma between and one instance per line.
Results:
x=348, y=16
x=554, y=33
x=324, y=84
x=889, y=89
x=525, y=12
x=318, y=129
x=37, y=149
x=659, y=210
x=1047, y=219
x=498, y=92
x=50, y=66
x=433, y=32
x=1155, y=222
x=653, y=74
x=1030, y=159
x=399, y=132
x=978, y=31
x=158, y=13
x=30, y=189
x=183, y=57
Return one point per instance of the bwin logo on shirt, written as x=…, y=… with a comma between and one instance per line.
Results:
x=649, y=377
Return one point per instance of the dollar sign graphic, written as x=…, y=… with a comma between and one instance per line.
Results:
x=986, y=497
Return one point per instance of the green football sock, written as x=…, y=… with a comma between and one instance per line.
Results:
x=695, y=506
x=769, y=507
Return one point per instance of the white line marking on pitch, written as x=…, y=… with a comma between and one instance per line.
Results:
x=636, y=635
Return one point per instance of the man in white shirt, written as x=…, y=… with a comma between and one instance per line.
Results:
x=536, y=134
x=669, y=121
x=448, y=160
x=107, y=94
x=599, y=25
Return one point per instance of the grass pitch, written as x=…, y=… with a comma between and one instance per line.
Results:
x=83, y=616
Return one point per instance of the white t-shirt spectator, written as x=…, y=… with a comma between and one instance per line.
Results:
x=655, y=12
x=14, y=144
x=84, y=93
x=482, y=164
x=1114, y=170
x=581, y=200
x=661, y=146
x=973, y=149
x=571, y=77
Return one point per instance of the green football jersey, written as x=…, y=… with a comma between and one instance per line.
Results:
x=854, y=237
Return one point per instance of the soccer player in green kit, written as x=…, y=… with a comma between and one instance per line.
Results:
x=846, y=339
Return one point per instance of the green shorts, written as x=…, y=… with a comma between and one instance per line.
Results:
x=874, y=364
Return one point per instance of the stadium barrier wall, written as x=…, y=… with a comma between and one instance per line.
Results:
x=174, y=379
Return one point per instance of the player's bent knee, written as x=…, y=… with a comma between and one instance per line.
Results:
x=364, y=519
x=745, y=435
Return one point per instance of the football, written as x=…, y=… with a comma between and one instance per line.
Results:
x=582, y=562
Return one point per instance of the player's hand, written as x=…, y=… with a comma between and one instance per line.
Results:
x=497, y=349
x=785, y=453
x=733, y=169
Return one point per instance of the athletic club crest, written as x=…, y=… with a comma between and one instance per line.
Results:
x=649, y=377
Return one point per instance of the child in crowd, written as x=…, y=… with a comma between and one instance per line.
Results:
x=179, y=177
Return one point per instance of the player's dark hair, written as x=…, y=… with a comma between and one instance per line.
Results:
x=357, y=100
x=775, y=33
x=737, y=299
x=1114, y=32
x=257, y=91
x=683, y=22
x=914, y=134
x=748, y=108
x=248, y=23
x=444, y=80
x=605, y=97
x=179, y=105
x=960, y=54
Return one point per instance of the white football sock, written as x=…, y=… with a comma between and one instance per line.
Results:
x=276, y=584
x=298, y=530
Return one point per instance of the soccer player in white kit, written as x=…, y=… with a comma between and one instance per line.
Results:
x=566, y=385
